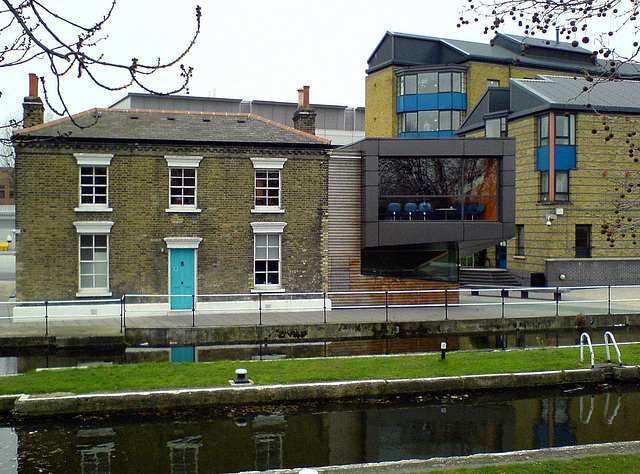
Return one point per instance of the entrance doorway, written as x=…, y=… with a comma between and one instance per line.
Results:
x=182, y=271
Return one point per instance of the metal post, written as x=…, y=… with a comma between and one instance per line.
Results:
x=556, y=296
x=260, y=306
x=609, y=299
x=193, y=311
x=386, y=306
x=46, y=318
x=502, y=297
x=446, y=304
x=122, y=310
x=324, y=307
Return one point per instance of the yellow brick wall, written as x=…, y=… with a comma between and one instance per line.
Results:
x=591, y=193
x=380, y=104
x=479, y=73
x=380, y=87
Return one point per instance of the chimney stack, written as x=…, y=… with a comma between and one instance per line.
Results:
x=304, y=118
x=33, y=106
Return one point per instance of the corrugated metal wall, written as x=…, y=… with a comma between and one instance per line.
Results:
x=345, y=196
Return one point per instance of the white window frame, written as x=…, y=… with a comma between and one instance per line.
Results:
x=93, y=228
x=269, y=165
x=183, y=162
x=92, y=160
x=269, y=229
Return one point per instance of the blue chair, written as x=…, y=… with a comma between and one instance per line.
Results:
x=393, y=210
x=424, y=210
x=410, y=210
x=469, y=209
x=478, y=210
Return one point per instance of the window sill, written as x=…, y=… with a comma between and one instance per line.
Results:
x=268, y=289
x=553, y=203
x=93, y=292
x=93, y=209
x=519, y=257
x=187, y=209
x=267, y=210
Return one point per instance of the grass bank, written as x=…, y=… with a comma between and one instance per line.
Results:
x=617, y=463
x=149, y=376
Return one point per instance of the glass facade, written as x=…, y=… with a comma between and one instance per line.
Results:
x=434, y=262
x=431, y=104
x=438, y=188
x=432, y=83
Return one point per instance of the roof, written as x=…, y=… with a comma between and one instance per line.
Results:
x=562, y=91
x=172, y=126
x=402, y=49
x=546, y=92
x=494, y=103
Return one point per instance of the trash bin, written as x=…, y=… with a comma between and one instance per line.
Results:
x=538, y=279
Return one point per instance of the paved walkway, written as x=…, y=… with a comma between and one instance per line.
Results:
x=487, y=305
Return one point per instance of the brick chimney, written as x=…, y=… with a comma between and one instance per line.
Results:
x=33, y=106
x=304, y=118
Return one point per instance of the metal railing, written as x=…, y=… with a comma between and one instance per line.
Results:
x=140, y=310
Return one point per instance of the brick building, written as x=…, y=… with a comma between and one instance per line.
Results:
x=420, y=86
x=569, y=175
x=174, y=203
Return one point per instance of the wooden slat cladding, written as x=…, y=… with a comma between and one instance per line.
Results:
x=345, y=207
x=345, y=224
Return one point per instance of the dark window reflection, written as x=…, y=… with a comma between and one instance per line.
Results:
x=435, y=262
x=445, y=188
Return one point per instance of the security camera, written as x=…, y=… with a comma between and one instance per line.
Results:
x=548, y=222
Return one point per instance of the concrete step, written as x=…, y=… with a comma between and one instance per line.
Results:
x=480, y=276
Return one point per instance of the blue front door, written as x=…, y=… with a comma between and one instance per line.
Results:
x=182, y=274
x=501, y=255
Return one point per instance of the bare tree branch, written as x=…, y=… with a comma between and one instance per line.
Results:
x=30, y=30
x=593, y=24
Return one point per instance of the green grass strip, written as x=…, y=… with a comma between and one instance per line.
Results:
x=608, y=463
x=160, y=375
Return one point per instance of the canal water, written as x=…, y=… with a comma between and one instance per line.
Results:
x=307, y=435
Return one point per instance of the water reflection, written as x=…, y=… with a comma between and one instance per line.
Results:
x=262, y=438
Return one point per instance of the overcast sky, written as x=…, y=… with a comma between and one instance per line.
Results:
x=252, y=49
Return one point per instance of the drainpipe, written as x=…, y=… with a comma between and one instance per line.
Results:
x=552, y=157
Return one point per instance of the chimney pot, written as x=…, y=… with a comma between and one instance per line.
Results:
x=305, y=96
x=33, y=85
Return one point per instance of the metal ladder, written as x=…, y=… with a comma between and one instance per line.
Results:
x=608, y=339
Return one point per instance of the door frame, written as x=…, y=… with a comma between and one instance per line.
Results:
x=182, y=243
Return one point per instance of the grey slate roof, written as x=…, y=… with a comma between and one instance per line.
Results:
x=402, y=49
x=546, y=92
x=173, y=126
x=619, y=96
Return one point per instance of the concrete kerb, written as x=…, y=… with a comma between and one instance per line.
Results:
x=60, y=404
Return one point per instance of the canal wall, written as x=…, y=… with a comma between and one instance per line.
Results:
x=163, y=337
x=246, y=394
x=327, y=332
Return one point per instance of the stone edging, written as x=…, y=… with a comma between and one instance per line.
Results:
x=64, y=403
